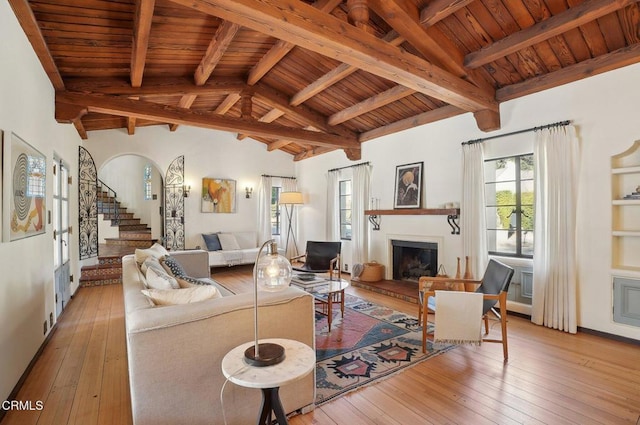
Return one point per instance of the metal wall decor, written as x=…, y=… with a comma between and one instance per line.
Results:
x=174, y=205
x=87, y=204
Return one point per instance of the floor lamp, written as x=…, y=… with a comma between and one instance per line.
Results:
x=290, y=200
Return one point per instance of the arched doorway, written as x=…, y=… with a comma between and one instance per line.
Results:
x=137, y=184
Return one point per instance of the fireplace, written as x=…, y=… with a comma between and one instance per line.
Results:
x=412, y=259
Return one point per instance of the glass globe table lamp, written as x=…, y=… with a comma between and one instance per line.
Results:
x=271, y=272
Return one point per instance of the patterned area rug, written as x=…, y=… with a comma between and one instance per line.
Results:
x=371, y=342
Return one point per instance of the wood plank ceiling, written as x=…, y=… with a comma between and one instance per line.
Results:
x=311, y=77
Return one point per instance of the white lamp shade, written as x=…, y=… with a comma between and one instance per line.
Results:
x=291, y=198
x=273, y=272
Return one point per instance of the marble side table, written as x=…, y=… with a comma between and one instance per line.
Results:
x=300, y=360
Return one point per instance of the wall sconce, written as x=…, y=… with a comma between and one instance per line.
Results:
x=249, y=192
x=185, y=191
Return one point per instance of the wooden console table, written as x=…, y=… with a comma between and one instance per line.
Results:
x=451, y=213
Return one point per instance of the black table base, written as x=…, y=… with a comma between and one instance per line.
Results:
x=271, y=403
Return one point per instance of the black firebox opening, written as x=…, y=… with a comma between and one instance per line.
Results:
x=412, y=259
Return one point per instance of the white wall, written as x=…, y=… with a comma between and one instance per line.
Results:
x=206, y=153
x=604, y=108
x=26, y=285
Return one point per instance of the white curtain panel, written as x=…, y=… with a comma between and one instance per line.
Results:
x=333, y=209
x=556, y=154
x=289, y=185
x=473, y=220
x=361, y=182
x=264, y=209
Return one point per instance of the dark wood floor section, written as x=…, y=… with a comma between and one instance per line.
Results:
x=551, y=377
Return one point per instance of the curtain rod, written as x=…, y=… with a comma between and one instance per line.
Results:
x=542, y=127
x=279, y=177
x=349, y=166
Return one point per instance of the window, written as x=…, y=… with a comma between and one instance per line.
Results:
x=509, y=191
x=275, y=210
x=345, y=209
x=35, y=177
x=147, y=182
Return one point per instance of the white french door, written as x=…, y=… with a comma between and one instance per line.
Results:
x=61, y=232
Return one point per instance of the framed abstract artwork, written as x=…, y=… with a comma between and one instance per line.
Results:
x=24, y=189
x=408, y=186
x=218, y=195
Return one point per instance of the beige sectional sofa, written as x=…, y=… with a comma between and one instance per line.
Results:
x=232, y=248
x=175, y=351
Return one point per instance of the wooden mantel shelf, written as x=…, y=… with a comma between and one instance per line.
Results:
x=451, y=213
x=415, y=211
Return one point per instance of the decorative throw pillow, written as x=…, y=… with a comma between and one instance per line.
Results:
x=228, y=241
x=160, y=280
x=212, y=241
x=172, y=266
x=156, y=251
x=151, y=263
x=181, y=296
x=188, y=281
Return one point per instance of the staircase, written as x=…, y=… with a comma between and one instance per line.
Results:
x=132, y=234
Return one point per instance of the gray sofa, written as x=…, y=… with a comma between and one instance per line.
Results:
x=175, y=352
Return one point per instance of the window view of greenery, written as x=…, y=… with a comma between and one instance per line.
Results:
x=345, y=209
x=509, y=198
x=275, y=210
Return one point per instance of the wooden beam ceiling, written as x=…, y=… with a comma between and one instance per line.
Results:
x=417, y=55
x=305, y=26
x=572, y=18
x=141, y=29
x=31, y=28
x=83, y=103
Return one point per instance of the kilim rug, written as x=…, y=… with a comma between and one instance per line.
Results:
x=371, y=342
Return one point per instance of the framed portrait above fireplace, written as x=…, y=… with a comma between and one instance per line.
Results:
x=408, y=186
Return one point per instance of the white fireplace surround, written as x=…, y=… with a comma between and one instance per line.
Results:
x=413, y=238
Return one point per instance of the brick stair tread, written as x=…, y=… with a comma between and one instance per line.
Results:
x=117, y=274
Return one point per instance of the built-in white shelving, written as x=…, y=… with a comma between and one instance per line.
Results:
x=625, y=229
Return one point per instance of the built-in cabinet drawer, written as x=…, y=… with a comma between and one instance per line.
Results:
x=626, y=300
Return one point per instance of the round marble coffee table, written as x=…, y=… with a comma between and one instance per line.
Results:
x=300, y=360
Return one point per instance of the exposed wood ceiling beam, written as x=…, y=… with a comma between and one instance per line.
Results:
x=227, y=103
x=270, y=116
x=31, y=28
x=83, y=103
x=338, y=73
x=315, y=151
x=404, y=18
x=276, y=100
x=573, y=17
x=185, y=102
x=77, y=123
x=131, y=126
x=141, y=29
x=303, y=25
x=437, y=10
x=281, y=48
x=421, y=119
x=155, y=86
x=603, y=63
x=277, y=144
x=217, y=47
x=368, y=105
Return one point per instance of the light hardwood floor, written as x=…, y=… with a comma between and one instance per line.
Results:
x=551, y=377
